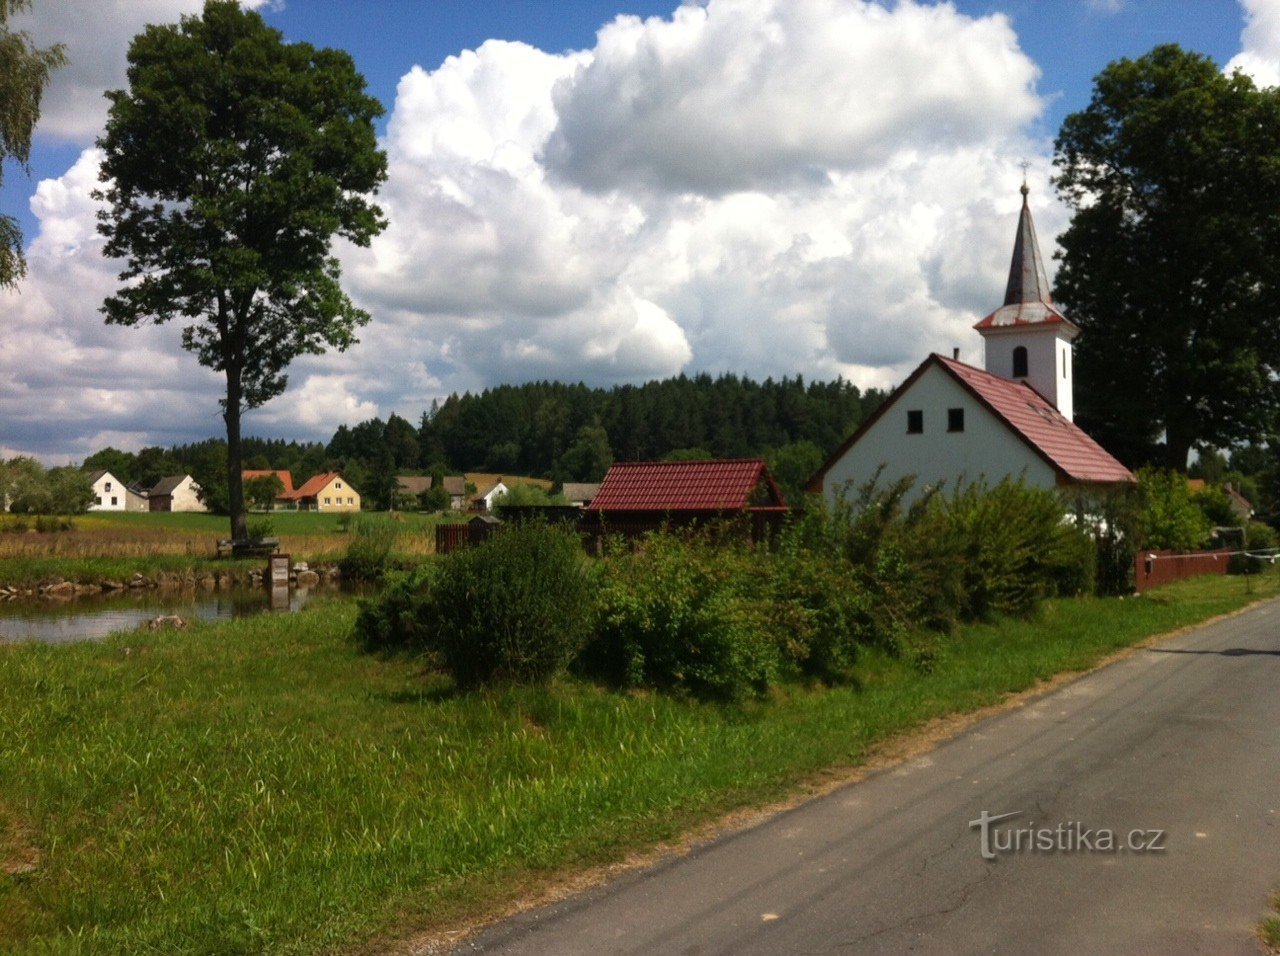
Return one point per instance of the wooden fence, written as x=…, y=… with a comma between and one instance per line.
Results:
x=1155, y=568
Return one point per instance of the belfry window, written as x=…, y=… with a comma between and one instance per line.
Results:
x=1020, y=362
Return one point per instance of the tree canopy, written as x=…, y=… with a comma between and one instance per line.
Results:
x=24, y=73
x=229, y=165
x=1169, y=265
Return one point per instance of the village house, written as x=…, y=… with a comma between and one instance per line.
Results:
x=111, y=494
x=327, y=492
x=176, y=493
x=414, y=486
x=580, y=493
x=951, y=423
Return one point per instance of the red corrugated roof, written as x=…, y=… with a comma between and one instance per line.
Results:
x=286, y=478
x=1062, y=443
x=660, y=486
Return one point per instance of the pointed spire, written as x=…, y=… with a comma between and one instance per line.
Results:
x=1027, y=299
x=1027, y=281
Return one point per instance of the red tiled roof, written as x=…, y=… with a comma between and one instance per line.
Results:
x=1029, y=415
x=286, y=478
x=1062, y=443
x=660, y=486
x=313, y=486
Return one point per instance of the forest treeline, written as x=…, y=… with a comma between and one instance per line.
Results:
x=564, y=432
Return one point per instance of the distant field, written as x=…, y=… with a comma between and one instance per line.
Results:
x=151, y=542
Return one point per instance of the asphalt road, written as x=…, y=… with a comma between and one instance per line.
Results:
x=1182, y=738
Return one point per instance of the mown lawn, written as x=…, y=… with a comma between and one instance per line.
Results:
x=260, y=785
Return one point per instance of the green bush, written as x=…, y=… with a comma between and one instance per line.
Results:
x=1261, y=537
x=817, y=612
x=514, y=609
x=400, y=617
x=674, y=615
x=368, y=555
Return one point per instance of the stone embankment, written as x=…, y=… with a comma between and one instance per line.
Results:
x=60, y=589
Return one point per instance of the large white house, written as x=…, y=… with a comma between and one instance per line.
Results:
x=950, y=423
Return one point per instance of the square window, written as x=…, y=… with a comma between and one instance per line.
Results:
x=326, y=501
x=114, y=500
x=955, y=419
x=915, y=422
x=337, y=484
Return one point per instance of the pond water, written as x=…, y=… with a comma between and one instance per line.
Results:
x=93, y=617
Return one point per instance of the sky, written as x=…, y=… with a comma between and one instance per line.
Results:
x=604, y=191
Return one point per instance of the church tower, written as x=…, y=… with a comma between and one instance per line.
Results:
x=1028, y=338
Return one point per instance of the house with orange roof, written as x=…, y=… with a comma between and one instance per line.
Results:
x=282, y=501
x=326, y=492
x=951, y=423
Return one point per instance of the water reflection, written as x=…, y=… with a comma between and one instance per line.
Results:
x=93, y=617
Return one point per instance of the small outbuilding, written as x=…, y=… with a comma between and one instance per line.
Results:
x=642, y=496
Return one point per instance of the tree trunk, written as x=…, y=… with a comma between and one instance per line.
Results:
x=235, y=475
x=1177, y=446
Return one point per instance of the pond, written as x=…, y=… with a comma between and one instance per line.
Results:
x=93, y=617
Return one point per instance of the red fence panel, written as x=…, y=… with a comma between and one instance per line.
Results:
x=450, y=537
x=1154, y=568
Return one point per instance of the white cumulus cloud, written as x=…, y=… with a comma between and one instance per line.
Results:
x=1260, y=40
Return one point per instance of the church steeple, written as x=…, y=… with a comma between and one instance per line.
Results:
x=1027, y=281
x=1028, y=337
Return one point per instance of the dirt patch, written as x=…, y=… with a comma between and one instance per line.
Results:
x=884, y=756
x=18, y=852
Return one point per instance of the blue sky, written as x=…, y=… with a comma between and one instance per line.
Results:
x=768, y=187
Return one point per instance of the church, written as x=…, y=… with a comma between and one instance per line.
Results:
x=951, y=423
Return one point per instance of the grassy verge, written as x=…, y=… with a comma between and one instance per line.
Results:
x=258, y=785
x=1269, y=928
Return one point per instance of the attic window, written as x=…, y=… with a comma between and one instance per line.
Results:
x=1020, y=362
x=955, y=419
x=915, y=422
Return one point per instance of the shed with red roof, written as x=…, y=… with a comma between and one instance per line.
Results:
x=641, y=496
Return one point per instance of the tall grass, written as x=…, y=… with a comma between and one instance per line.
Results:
x=264, y=786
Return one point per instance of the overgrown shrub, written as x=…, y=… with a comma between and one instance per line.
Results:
x=516, y=608
x=368, y=555
x=818, y=614
x=400, y=617
x=674, y=615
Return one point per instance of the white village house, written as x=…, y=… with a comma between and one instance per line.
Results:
x=951, y=423
x=111, y=494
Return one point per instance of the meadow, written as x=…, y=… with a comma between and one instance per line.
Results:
x=117, y=545
x=263, y=786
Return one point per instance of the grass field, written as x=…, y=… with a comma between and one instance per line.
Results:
x=116, y=545
x=259, y=785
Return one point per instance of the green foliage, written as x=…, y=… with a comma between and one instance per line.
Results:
x=261, y=528
x=529, y=495
x=400, y=617
x=514, y=609
x=368, y=555
x=1216, y=506
x=1168, y=518
x=1261, y=537
x=1172, y=173
x=24, y=73
x=261, y=491
x=229, y=165
x=792, y=466
x=678, y=614
x=974, y=554
x=33, y=490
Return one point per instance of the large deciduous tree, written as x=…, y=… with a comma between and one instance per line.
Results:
x=1169, y=265
x=24, y=73
x=229, y=165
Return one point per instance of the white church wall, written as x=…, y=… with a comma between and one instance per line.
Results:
x=986, y=449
